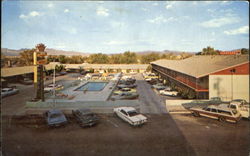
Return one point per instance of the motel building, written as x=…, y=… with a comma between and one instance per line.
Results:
x=206, y=76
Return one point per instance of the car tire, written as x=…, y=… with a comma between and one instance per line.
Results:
x=222, y=119
x=196, y=114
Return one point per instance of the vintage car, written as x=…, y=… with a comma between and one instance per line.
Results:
x=168, y=93
x=159, y=86
x=128, y=96
x=126, y=86
x=8, y=91
x=85, y=117
x=50, y=87
x=55, y=118
x=216, y=112
x=119, y=92
x=239, y=102
x=239, y=105
x=130, y=115
x=26, y=81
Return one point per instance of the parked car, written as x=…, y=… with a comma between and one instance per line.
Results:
x=168, y=93
x=215, y=100
x=159, y=86
x=126, y=86
x=128, y=95
x=63, y=73
x=26, y=81
x=239, y=102
x=50, y=87
x=119, y=92
x=85, y=117
x=240, y=106
x=9, y=91
x=130, y=115
x=55, y=118
x=216, y=112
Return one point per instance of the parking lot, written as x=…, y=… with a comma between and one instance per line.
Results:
x=164, y=134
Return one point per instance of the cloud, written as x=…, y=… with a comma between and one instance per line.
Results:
x=218, y=22
x=66, y=10
x=50, y=5
x=161, y=19
x=169, y=5
x=34, y=13
x=115, y=42
x=31, y=14
x=241, y=30
x=144, y=9
x=72, y=30
x=23, y=16
x=155, y=4
x=115, y=24
x=101, y=11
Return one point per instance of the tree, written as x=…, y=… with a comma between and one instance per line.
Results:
x=209, y=51
x=116, y=59
x=52, y=58
x=98, y=58
x=244, y=51
x=149, y=68
x=59, y=68
x=146, y=59
x=129, y=58
x=62, y=59
x=26, y=57
x=185, y=55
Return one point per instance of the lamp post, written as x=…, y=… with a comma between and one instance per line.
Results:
x=232, y=85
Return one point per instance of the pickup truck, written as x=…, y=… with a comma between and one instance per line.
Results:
x=240, y=106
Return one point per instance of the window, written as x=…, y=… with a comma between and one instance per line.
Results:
x=208, y=109
x=122, y=111
x=214, y=110
x=224, y=112
x=233, y=106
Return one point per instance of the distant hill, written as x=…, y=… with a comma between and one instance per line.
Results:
x=11, y=52
x=163, y=52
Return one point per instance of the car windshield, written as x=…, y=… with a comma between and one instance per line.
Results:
x=237, y=100
x=132, y=113
x=55, y=115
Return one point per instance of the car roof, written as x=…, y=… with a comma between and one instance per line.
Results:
x=128, y=108
x=238, y=100
x=85, y=110
x=221, y=108
x=6, y=88
x=54, y=111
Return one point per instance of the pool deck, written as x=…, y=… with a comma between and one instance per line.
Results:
x=76, y=96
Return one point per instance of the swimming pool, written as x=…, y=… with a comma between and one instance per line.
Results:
x=92, y=86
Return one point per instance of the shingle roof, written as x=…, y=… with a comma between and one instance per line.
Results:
x=202, y=65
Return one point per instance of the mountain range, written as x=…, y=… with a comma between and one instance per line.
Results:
x=50, y=51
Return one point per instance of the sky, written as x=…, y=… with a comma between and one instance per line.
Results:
x=118, y=26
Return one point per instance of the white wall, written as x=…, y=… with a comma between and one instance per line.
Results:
x=222, y=86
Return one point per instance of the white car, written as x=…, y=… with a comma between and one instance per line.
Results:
x=130, y=115
x=168, y=93
x=50, y=87
x=8, y=91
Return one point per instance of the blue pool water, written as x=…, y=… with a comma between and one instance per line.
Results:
x=92, y=86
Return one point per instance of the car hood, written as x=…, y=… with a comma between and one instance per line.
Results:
x=138, y=118
x=57, y=120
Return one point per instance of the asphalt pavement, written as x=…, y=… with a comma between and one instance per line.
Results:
x=150, y=101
